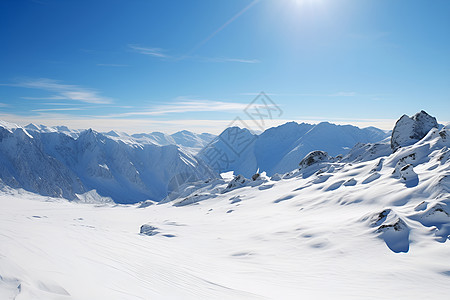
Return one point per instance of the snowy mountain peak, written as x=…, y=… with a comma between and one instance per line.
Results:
x=113, y=133
x=33, y=126
x=9, y=126
x=409, y=130
x=236, y=130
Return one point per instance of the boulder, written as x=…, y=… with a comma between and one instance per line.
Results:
x=409, y=130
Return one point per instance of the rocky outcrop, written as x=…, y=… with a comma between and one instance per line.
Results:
x=409, y=130
x=314, y=157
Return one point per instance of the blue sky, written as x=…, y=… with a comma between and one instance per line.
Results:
x=167, y=65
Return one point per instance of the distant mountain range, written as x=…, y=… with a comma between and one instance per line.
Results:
x=90, y=166
x=86, y=165
x=189, y=141
x=280, y=149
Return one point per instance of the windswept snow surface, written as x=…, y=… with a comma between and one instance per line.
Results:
x=367, y=226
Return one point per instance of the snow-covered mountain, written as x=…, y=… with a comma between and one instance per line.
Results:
x=91, y=164
x=85, y=164
x=278, y=149
x=189, y=141
x=372, y=224
x=46, y=129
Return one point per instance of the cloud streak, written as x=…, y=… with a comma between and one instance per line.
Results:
x=236, y=60
x=63, y=91
x=161, y=53
x=57, y=109
x=183, y=105
x=156, y=52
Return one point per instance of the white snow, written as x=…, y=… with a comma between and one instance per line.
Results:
x=369, y=225
x=347, y=230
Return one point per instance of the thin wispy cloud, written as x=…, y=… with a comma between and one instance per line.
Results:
x=57, y=109
x=337, y=94
x=183, y=105
x=63, y=91
x=240, y=60
x=161, y=53
x=3, y=105
x=156, y=52
x=44, y=98
x=58, y=103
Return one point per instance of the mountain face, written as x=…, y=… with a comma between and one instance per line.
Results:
x=278, y=149
x=56, y=164
x=24, y=164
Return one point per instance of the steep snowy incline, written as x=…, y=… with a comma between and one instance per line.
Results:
x=279, y=149
x=24, y=164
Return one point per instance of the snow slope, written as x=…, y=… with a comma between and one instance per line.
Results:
x=279, y=149
x=370, y=225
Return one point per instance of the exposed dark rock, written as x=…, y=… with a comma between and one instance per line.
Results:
x=313, y=158
x=409, y=130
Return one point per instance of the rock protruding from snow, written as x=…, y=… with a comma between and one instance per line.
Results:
x=256, y=176
x=409, y=176
x=149, y=230
x=392, y=229
x=314, y=157
x=236, y=182
x=409, y=130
